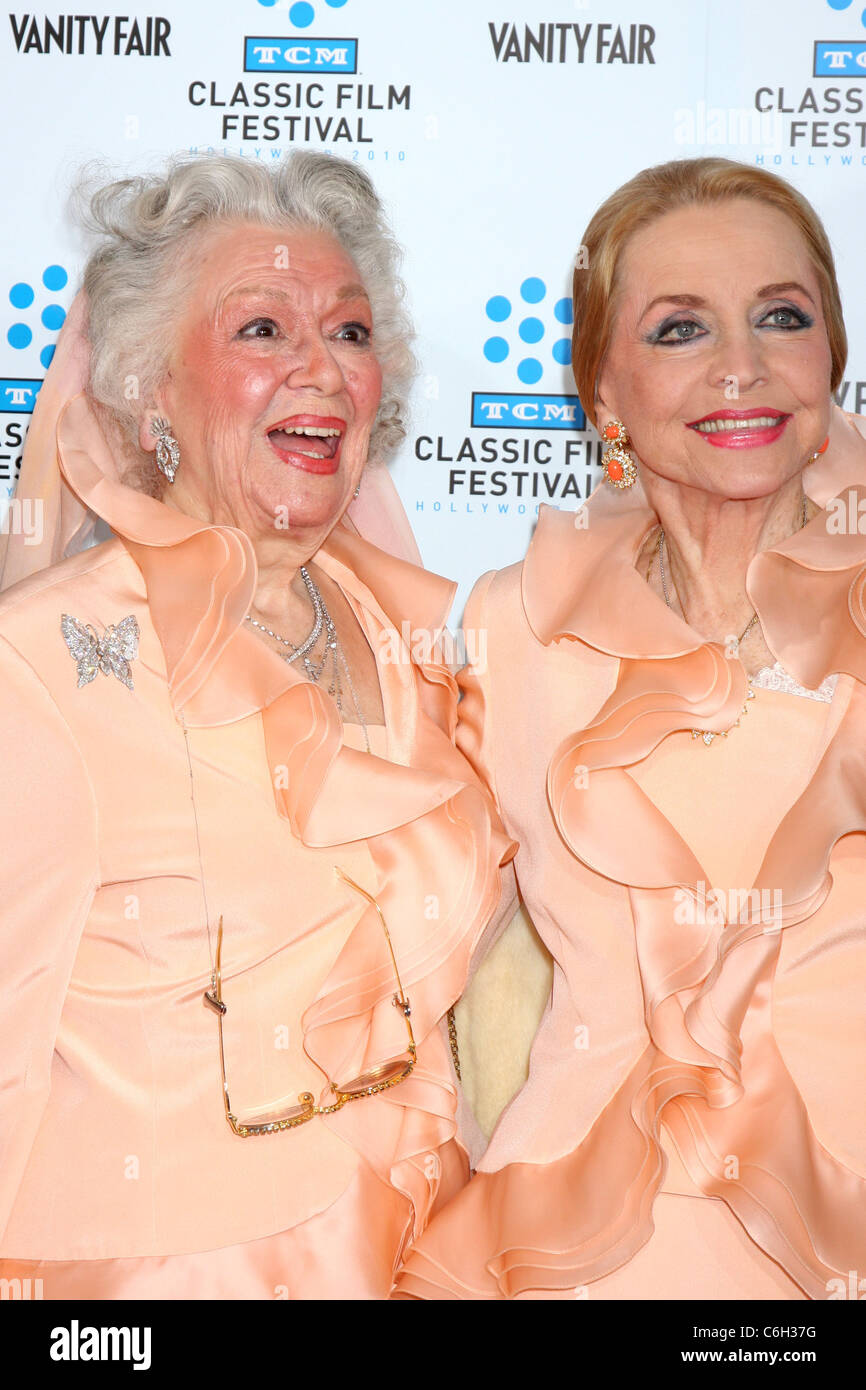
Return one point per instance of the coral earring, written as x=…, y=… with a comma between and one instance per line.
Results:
x=619, y=467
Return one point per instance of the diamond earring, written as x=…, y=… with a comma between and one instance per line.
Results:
x=167, y=447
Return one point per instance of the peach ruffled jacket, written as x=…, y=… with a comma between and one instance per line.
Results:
x=693, y=1123
x=119, y=1176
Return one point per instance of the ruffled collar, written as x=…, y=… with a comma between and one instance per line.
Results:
x=579, y=580
x=200, y=580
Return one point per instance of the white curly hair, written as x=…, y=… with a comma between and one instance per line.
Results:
x=146, y=229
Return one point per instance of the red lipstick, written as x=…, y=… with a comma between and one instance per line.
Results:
x=309, y=442
x=731, y=429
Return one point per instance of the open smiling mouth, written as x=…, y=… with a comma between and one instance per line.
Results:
x=732, y=429
x=313, y=445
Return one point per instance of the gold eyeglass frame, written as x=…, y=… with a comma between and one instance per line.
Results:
x=376, y=1079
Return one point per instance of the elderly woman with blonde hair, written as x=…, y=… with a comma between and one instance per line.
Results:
x=672, y=720
x=245, y=865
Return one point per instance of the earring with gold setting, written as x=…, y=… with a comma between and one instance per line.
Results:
x=619, y=467
x=821, y=450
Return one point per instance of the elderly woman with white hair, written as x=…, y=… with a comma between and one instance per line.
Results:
x=245, y=865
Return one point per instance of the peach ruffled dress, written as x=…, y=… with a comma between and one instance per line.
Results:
x=693, y=1124
x=119, y=1175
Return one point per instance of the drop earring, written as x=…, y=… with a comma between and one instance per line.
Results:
x=619, y=466
x=821, y=450
x=167, y=447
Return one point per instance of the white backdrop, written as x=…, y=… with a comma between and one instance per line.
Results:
x=492, y=128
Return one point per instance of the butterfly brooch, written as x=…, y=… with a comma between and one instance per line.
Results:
x=111, y=653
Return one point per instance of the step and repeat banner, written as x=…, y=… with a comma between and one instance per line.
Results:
x=492, y=128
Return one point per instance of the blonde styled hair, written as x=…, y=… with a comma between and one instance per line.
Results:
x=648, y=196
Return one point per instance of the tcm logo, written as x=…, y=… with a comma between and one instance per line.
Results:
x=839, y=59
x=530, y=332
x=300, y=55
x=513, y=411
x=17, y=395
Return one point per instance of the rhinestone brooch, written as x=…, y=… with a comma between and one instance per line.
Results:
x=111, y=653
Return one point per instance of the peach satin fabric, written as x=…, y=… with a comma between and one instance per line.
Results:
x=117, y=1166
x=693, y=1121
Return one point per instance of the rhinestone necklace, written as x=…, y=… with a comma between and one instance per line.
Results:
x=706, y=736
x=333, y=655
x=315, y=631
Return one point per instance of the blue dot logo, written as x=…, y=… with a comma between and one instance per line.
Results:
x=302, y=14
x=54, y=277
x=535, y=330
x=529, y=371
x=19, y=336
x=496, y=349
x=498, y=308
x=51, y=316
x=533, y=290
x=846, y=5
x=21, y=296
